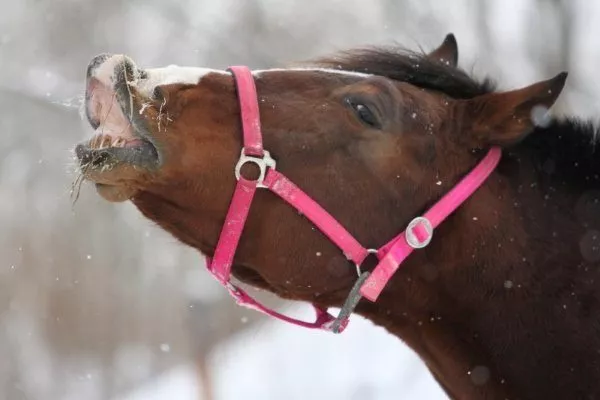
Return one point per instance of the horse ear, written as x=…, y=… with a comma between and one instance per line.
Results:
x=505, y=118
x=447, y=52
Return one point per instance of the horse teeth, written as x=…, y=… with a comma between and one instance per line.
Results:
x=105, y=142
x=100, y=142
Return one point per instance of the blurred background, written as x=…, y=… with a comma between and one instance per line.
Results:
x=98, y=303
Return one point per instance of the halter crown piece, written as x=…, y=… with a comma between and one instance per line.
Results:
x=417, y=235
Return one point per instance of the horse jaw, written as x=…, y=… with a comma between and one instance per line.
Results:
x=115, y=193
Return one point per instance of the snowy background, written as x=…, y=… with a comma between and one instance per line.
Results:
x=97, y=303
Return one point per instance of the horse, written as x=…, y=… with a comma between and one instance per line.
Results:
x=496, y=291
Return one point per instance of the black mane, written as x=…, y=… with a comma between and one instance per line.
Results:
x=411, y=67
x=563, y=152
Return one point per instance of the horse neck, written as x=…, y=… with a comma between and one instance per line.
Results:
x=434, y=303
x=477, y=303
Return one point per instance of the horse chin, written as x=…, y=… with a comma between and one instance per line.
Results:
x=115, y=193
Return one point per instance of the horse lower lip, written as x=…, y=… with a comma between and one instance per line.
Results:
x=139, y=153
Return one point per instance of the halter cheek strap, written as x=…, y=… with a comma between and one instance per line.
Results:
x=417, y=235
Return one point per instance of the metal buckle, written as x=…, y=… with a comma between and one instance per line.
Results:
x=412, y=239
x=262, y=163
x=369, y=251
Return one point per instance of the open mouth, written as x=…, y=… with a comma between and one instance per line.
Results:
x=115, y=109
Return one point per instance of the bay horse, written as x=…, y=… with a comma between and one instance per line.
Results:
x=498, y=296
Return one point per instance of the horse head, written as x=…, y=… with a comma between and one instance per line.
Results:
x=374, y=136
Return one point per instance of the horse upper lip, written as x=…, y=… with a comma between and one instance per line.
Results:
x=111, y=83
x=115, y=74
x=124, y=78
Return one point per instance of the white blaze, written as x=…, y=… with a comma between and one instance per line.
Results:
x=174, y=74
x=259, y=73
x=105, y=73
x=170, y=75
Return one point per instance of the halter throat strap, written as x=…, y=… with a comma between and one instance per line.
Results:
x=417, y=235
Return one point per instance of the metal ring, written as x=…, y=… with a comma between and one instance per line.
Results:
x=369, y=251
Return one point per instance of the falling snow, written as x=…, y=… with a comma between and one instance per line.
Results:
x=165, y=348
x=139, y=291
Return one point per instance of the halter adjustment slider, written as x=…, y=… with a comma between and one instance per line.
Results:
x=419, y=233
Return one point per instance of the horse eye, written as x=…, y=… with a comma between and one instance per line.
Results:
x=364, y=113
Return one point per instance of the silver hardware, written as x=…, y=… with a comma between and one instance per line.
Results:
x=412, y=239
x=369, y=251
x=262, y=163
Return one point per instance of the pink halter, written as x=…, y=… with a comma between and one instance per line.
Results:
x=417, y=235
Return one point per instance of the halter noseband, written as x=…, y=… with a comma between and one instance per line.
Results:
x=417, y=235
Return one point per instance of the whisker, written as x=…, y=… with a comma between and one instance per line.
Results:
x=80, y=179
x=125, y=128
x=76, y=188
x=160, y=113
x=127, y=82
x=114, y=96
